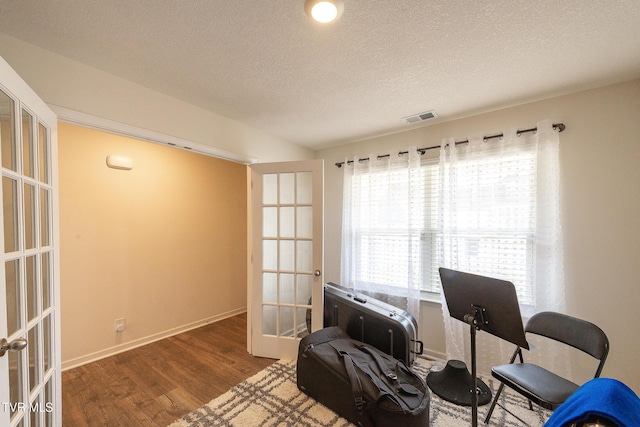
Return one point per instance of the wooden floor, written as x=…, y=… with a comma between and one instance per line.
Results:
x=156, y=384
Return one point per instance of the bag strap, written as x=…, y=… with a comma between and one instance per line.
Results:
x=384, y=388
x=354, y=379
x=402, y=387
x=391, y=375
x=398, y=365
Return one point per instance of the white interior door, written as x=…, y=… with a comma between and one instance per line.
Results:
x=29, y=271
x=287, y=261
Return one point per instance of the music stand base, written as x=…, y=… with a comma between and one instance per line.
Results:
x=452, y=384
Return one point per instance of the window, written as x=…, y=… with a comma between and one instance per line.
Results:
x=393, y=228
x=486, y=226
x=494, y=210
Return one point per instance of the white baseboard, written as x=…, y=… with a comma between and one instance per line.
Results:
x=79, y=361
x=434, y=355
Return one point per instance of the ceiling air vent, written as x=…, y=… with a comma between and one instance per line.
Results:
x=427, y=115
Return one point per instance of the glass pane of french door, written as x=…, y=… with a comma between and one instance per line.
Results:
x=284, y=259
x=27, y=292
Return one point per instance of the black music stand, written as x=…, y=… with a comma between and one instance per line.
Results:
x=486, y=304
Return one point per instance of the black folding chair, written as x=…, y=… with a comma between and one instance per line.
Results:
x=539, y=385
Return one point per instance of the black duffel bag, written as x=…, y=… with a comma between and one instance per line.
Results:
x=359, y=382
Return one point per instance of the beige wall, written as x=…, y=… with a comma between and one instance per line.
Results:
x=162, y=245
x=156, y=302
x=600, y=174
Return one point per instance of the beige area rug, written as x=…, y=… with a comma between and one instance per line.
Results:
x=271, y=398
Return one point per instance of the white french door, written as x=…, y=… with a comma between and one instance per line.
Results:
x=30, y=389
x=287, y=260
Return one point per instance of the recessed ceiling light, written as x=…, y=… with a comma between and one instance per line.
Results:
x=324, y=11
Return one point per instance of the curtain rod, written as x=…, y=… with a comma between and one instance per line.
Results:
x=559, y=126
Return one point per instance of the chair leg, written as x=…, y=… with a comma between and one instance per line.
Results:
x=493, y=404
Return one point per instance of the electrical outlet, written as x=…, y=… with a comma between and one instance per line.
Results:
x=120, y=326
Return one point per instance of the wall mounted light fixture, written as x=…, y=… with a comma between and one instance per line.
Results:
x=324, y=11
x=119, y=162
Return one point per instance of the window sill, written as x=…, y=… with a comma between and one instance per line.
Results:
x=431, y=297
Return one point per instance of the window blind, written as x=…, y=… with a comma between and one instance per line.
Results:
x=396, y=233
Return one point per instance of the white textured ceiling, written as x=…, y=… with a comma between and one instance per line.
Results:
x=264, y=63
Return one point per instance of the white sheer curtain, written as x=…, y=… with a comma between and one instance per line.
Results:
x=382, y=227
x=499, y=216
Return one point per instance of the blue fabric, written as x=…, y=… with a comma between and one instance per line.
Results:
x=606, y=398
